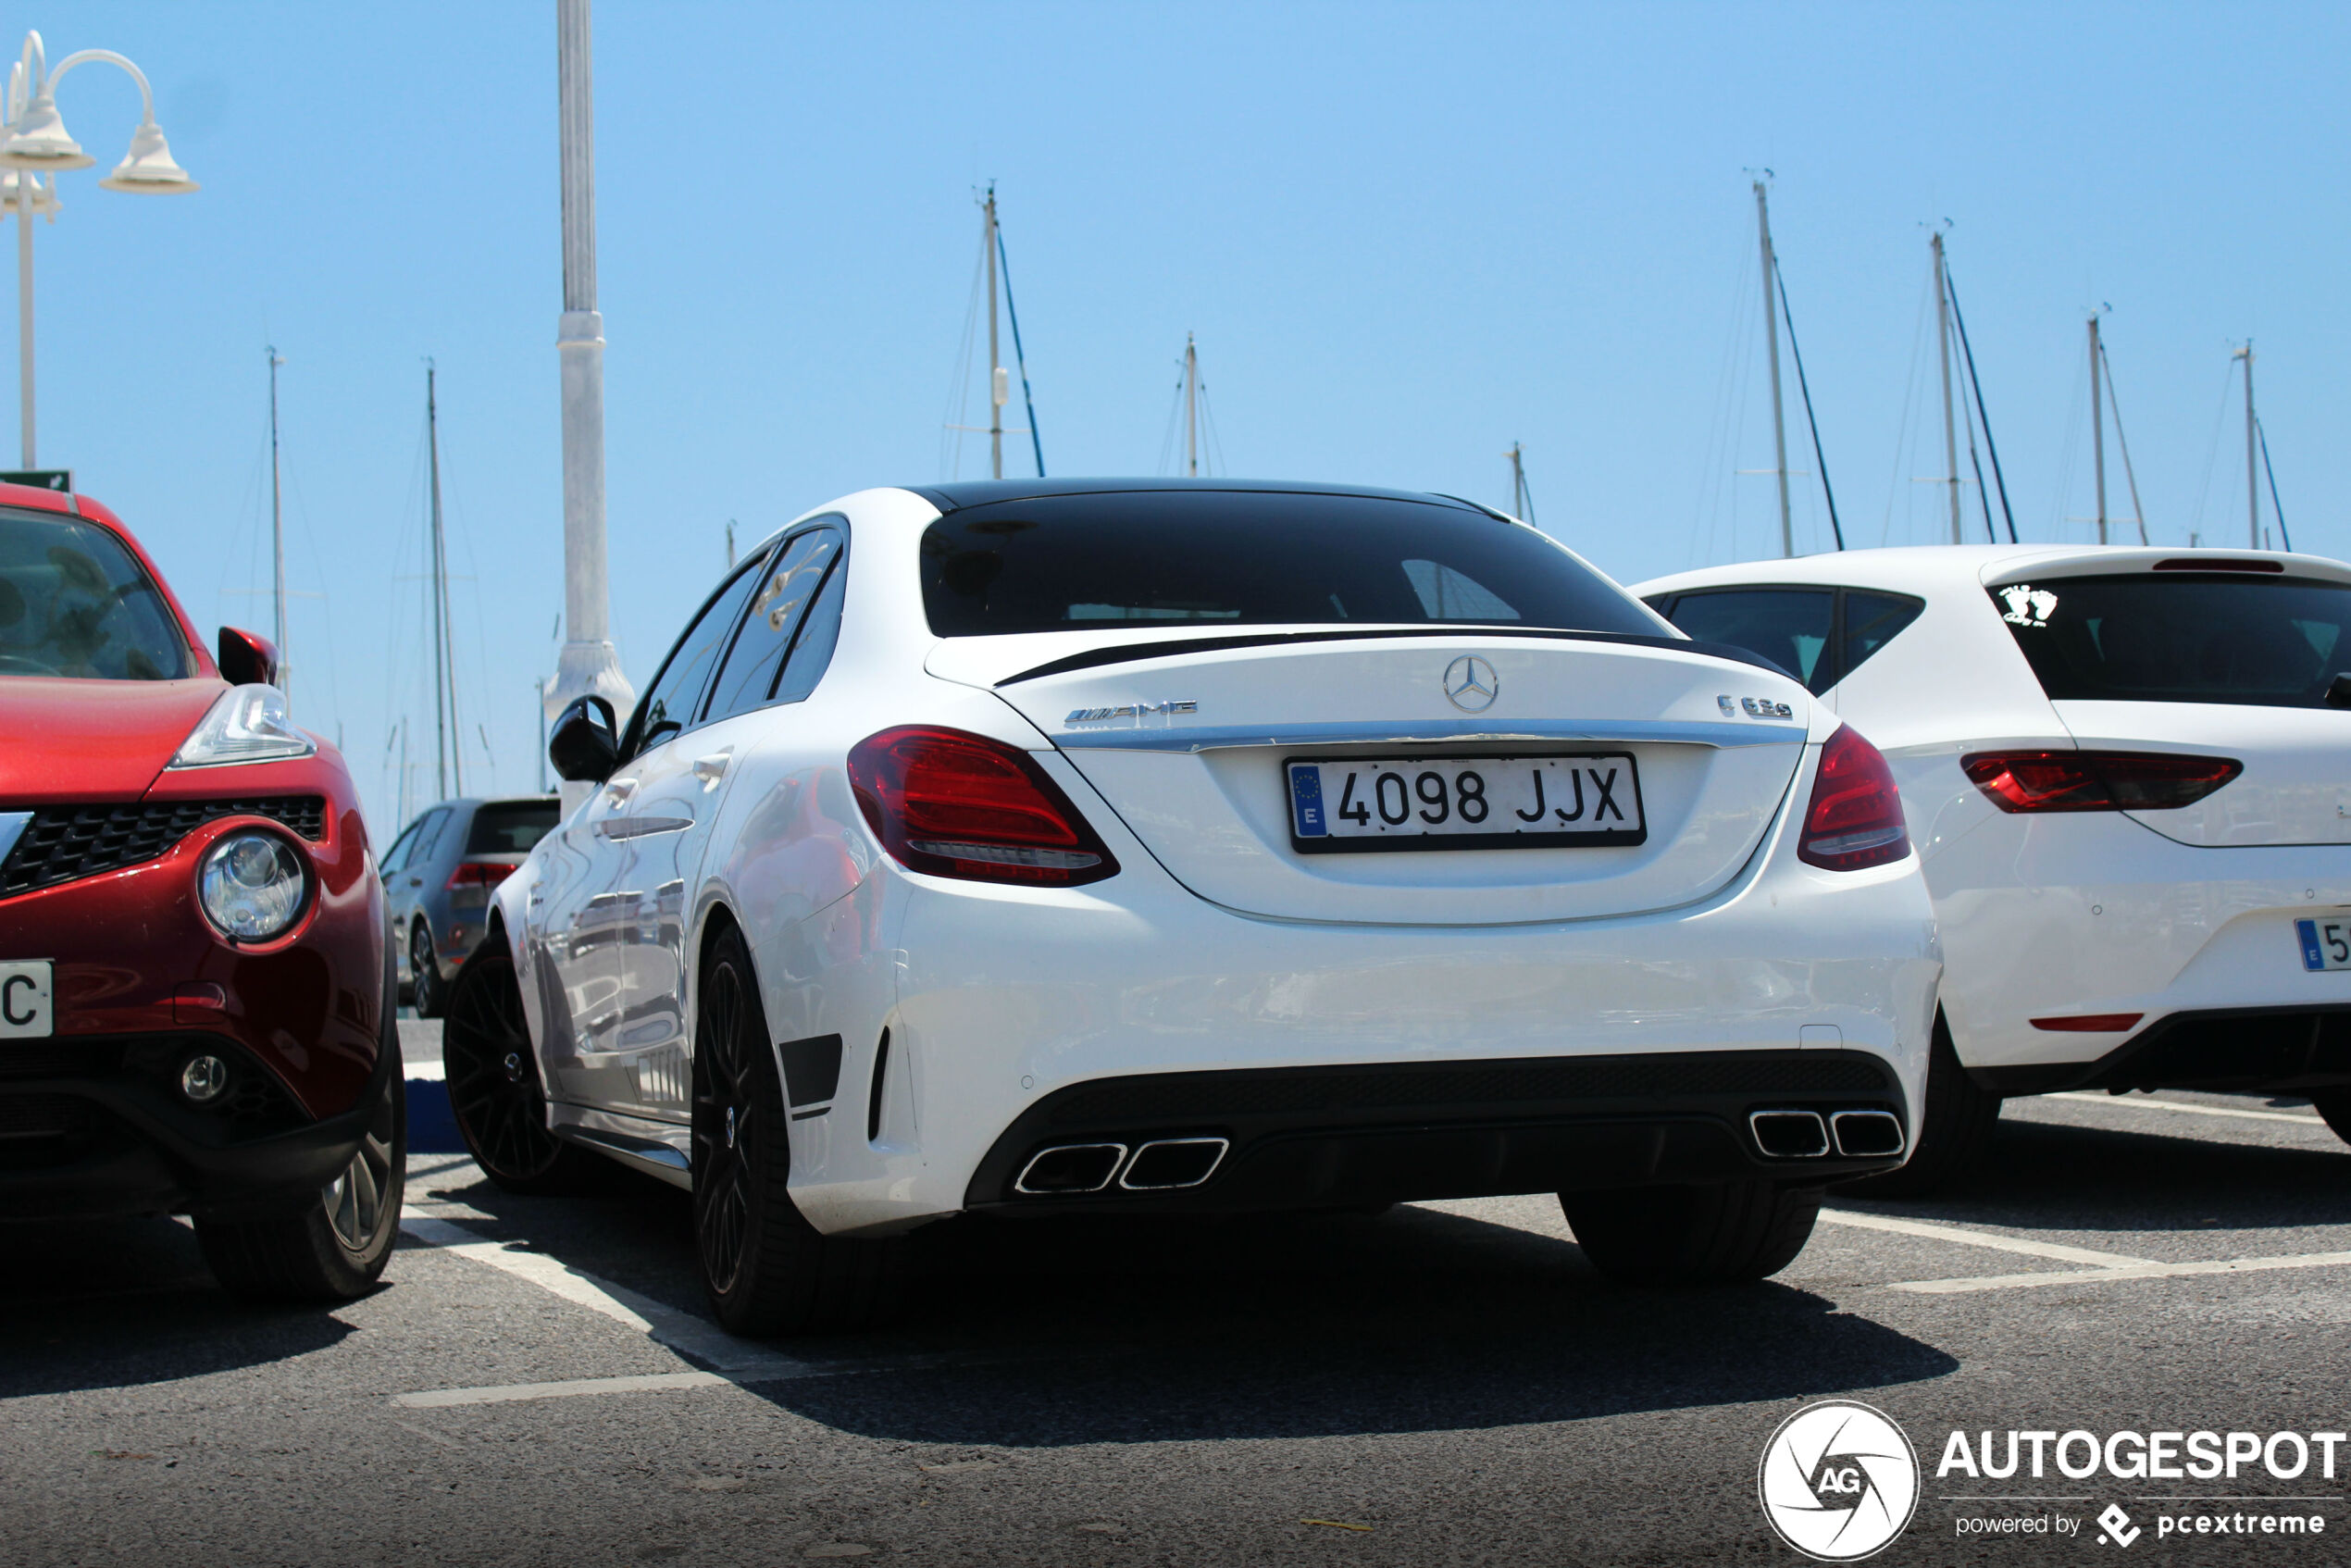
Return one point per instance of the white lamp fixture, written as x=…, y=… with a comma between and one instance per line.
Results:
x=33, y=138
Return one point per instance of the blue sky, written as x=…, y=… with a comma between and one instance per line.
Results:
x=1406, y=236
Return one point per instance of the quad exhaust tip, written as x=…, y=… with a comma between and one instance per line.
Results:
x=1874, y=1134
x=1789, y=1135
x=1174, y=1161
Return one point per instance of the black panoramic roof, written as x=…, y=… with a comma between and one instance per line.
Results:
x=959, y=493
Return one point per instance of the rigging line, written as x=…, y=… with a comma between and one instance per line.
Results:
x=1968, y=420
x=2212, y=453
x=1819, y=459
x=2076, y=416
x=1982, y=417
x=1894, y=485
x=2261, y=432
x=959, y=386
x=1211, y=442
x=1708, y=469
x=2138, y=512
x=1028, y=399
x=1167, y=438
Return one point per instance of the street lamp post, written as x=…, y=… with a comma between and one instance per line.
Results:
x=589, y=663
x=36, y=143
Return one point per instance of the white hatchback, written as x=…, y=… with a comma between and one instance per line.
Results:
x=2127, y=774
x=1135, y=846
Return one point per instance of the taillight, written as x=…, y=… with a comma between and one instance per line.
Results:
x=956, y=804
x=1855, y=820
x=478, y=874
x=2029, y=781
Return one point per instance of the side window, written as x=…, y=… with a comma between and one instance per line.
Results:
x=812, y=649
x=397, y=856
x=420, y=837
x=1791, y=627
x=667, y=706
x=785, y=587
x=1872, y=620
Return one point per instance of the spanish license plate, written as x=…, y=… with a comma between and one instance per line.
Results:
x=2326, y=944
x=1347, y=804
x=26, y=1008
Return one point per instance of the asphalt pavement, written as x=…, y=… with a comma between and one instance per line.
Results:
x=537, y=1381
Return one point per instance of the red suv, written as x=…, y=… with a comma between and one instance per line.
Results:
x=197, y=1002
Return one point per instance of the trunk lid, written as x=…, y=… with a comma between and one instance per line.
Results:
x=2295, y=788
x=1188, y=747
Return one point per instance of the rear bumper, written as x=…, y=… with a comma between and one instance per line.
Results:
x=2275, y=1050
x=96, y=1131
x=1328, y=1137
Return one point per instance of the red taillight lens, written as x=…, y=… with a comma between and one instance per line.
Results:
x=956, y=804
x=1855, y=820
x=2028, y=782
x=478, y=874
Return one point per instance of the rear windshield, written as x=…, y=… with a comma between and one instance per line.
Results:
x=2274, y=643
x=74, y=602
x=1159, y=558
x=510, y=826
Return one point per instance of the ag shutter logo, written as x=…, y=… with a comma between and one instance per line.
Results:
x=2115, y=1526
x=1839, y=1481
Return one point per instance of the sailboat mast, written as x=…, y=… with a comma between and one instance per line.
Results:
x=1191, y=407
x=1522, y=501
x=1942, y=340
x=1772, y=350
x=449, y=763
x=2252, y=471
x=996, y=387
x=276, y=530
x=2097, y=425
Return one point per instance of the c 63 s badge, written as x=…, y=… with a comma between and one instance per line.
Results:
x=1128, y=710
x=1754, y=707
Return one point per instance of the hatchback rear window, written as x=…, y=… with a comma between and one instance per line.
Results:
x=510, y=826
x=1159, y=558
x=2269, y=642
x=74, y=602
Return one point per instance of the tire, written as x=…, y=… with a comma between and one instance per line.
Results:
x=2334, y=1105
x=494, y=1092
x=1727, y=1233
x=425, y=991
x=766, y=1269
x=1953, y=1136
x=335, y=1246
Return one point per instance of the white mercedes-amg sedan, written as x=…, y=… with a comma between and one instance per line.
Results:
x=2128, y=772
x=1144, y=847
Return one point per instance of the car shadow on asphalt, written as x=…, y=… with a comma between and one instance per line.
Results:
x=119, y=1303
x=2050, y=1175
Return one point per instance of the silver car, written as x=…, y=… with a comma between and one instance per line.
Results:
x=437, y=877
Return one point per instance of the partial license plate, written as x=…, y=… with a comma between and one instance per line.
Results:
x=26, y=1010
x=1348, y=804
x=2326, y=944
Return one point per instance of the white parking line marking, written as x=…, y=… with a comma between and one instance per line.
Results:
x=1977, y=1238
x=511, y=1393
x=2126, y=1271
x=2135, y=1102
x=666, y=1325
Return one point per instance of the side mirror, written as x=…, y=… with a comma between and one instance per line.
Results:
x=583, y=746
x=247, y=659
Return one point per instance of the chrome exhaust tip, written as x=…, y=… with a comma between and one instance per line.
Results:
x=1867, y=1134
x=1789, y=1135
x=1069, y=1167
x=1170, y=1162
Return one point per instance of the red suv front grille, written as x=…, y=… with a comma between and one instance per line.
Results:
x=64, y=843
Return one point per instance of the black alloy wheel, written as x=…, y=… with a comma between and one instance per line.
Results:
x=493, y=1082
x=424, y=973
x=766, y=1269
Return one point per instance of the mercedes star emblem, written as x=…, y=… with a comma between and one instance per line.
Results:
x=1470, y=684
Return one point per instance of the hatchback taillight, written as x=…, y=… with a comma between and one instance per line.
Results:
x=2029, y=781
x=956, y=804
x=1855, y=820
x=478, y=874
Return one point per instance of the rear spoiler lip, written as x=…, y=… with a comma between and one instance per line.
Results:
x=1135, y=653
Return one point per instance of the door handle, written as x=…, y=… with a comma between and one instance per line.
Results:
x=712, y=768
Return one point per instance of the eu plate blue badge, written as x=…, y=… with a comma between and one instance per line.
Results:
x=1306, y=803
x=2313, y=956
